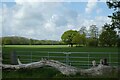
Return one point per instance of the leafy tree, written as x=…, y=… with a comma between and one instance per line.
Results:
x=1, y=41
x=31, y=42
x=118, y=42
x=106, y=27
x=68, y=36
x=115, y=4
x=83, y=37
x=7, y=41
x=93, y=31
x=76, y=39
x=79, y=39
x=92, y=42
x=83, y=30
x=108, y=37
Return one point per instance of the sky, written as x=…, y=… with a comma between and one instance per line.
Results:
x=49, y=20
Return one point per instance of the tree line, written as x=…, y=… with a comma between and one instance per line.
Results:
x=15, y=40
x=107, y=37
x=91, y=37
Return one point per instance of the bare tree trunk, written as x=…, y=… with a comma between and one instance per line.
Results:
x=63, y=68
x=71, y=45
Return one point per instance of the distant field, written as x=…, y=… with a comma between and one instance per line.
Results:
x=38, y=46
x=8, y=48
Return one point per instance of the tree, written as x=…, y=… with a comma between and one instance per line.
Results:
x=1, y=41
x=7, y=41
x=118, y=42
x=93, y=31
x=106, y=27
x=108, y=37
x=83, y=30
x=115, y=4
x=92, y=42
x=67, y=37
x=83, y=39
x=31, y=42
x=79, y=39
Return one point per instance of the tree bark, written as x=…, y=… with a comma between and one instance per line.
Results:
x=71, y=45
x=64, y=68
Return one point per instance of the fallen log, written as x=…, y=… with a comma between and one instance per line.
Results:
x=64, y=68
x=99, y=70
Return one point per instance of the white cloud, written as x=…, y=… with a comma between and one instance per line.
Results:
x=50, y=27
x=99, y=21
x=32, y=20
x=44, y=20
x=90, y=5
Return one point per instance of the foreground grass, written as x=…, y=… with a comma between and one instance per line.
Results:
x=47, y=72
x=44, y=72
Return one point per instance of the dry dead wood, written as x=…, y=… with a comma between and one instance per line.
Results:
x=63, y=68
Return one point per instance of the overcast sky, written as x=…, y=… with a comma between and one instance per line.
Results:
x=48, y=20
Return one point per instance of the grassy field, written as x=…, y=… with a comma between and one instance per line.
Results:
x=58, y=48
x=40, y=51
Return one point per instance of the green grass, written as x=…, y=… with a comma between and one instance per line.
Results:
x=59, y=48
x=40, y=51
x=44, y=49
x=47, y=72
